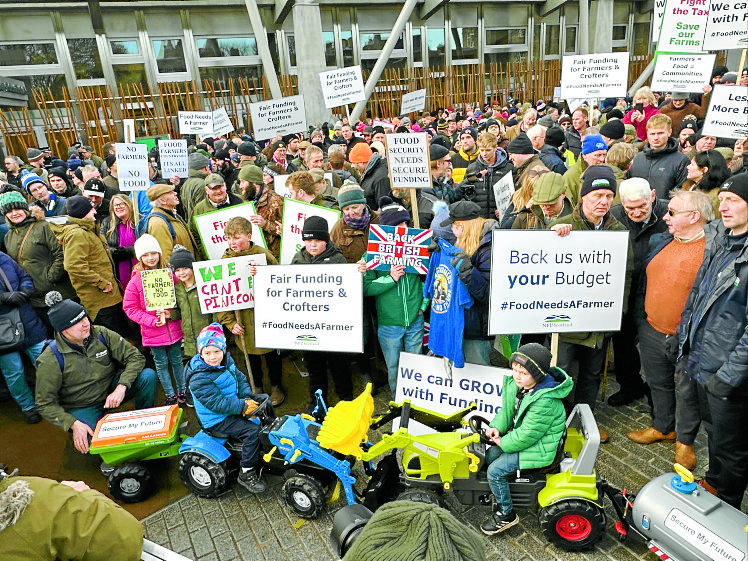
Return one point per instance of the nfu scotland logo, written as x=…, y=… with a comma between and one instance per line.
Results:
x=559, y=320
x=307, y=340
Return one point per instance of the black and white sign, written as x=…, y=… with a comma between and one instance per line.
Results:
x=726, y=25
x=195, y=122
x=132, y=166
x=676, y=72
x=413, y=101
x=173, y=157
x=221, y=122
x=728, y=112
x=342, y=86
x=683, y=26
x=285, y=115
x=503, y=190
x=594, y=76
x=408, y=159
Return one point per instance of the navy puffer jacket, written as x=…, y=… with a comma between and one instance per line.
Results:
x=20, y=280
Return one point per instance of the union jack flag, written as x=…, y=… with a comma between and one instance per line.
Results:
x=398, y=245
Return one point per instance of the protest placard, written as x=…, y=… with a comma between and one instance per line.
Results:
x=594, y=76
x=398, y=245
x=173, y=158
x=657, y=12
x=726, y=25
x=727, y=115
x=425, y=382
x=225, y=284
x=221, y=122
x=503, y=190
x=309, y=307
x=676, y=72
x=342, y=86
x=132, y=166
x=281, y=188
x=683, y=26
x=195, y=122
x=384, y=124
x=413, y=101
x=285, y=115
x=408, y=160
x=158, y=289
x=294, y=215
x=211, y=224
x=544, y=283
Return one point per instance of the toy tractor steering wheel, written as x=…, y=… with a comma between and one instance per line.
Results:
x=476, y=423
x=264, y=411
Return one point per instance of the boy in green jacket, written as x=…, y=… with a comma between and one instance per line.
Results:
x=527, y=428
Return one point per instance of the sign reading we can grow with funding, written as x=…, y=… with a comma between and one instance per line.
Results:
x=225, y=284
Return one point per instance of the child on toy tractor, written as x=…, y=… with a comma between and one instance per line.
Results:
x=527, y=429
x=223, y=401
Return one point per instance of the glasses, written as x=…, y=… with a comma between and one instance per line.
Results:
x=672, y=212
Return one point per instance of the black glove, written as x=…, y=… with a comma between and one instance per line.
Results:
x=718, y=388
x=671, y=348
x=121, y=253
x=434, y=246
x=15, y=298
x=464, y=266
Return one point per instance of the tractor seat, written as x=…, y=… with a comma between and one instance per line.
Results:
x=232, y=442
x=553, y=466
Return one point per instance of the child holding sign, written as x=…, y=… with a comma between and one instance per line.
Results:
x=160, y=332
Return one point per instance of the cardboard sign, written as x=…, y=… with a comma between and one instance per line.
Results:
x=173, y=158
x=342, y=86
x=728, y=112
x=397, y=245
x=594, y=76
x=309, y=308
x=211, y=224
x=683, y=26
x=158, y=289
x=675, y=72
x=294, y=214
x=726, y=25
x=221, y=122
x=132, y=166
x=544, y=283
x=503, y=190
x=408, y=160
x=195, y=122
x=413, y=101
x=426, y=383
x=278, y=116
x=225, y=284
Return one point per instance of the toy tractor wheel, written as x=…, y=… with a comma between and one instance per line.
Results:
x=573, y=525
x=130, y=483
x=421, y=496
x=202, y=476
x=305, y=495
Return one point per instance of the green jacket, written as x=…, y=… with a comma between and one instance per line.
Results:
x=398, y=303
x=573, y=180
x=535, y=429
x=86, y=376
x=58, y=522
x=42, y=258
x=193, y=319
x=192, y=192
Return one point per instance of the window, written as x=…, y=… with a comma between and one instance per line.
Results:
x=54, y=82
x=503, y=58
x=641, y=39
x=84, y=54
x=223, y=73
x=130, y=74
x=619, y=32
x=328, y=40
x=169, y=55
x=376, y=41
x=536, y=42
x=501, y=37
x=367, y=65
x=464, y=43
x=417, y=45
x=125, y=47
x=21, y=54
x=227, y=47
x=552, y=39
x=347, y=40
x=291, y=41
x=571, y=39
x=436, y=47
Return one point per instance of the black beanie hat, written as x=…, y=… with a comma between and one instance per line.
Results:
x=614, y=129
x=392, y=213
x=737, y=184
x=181, y=257
x=79, y=206
x=598, y=177
x=521, y=144
x=535, y=357
x=555, y=136
x=315, y=228
x=63, y=313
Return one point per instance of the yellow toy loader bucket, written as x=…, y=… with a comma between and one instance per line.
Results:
x=347, y=424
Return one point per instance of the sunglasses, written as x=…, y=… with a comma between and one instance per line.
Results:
x=672, y=212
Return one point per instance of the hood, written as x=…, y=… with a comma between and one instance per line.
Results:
x=671, y=146
x=197, y=364
x=557, y=382
x=14, y=498
x=373, y=161
x=501, y=157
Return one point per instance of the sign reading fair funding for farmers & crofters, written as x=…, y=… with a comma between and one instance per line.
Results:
x=594, y=76
x=398, y=245
x=545, y=283
x=225, y=284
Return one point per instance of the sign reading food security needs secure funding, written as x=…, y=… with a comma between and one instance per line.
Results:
x=285, y=115
x=675, y=72
x=594, y=76
x=726, y=25
x=210, y=226
x=158, y=289
x=398, y=245
x=172, y=155
x=545, y=283
x=408, y=160
x=225, y=284
x=728, y=112
x=132, y=166
x=309, y=308
x=342, y=86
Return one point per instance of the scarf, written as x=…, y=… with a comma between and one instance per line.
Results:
x=360, y=223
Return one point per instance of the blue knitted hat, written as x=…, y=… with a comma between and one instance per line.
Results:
x=211, y=335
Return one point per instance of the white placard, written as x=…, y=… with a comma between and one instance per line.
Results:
x=278, y=116
x=503, y=190
x=557, y=93
x=702, y=538
x=675, y=72
x=408, y=160
x=127, y=427
x=657, y=12
x=726, y=25
x=294, y=215
x=596, y=75
x=221, y=122
x=683, y=26
x=342, y=86
x=309, y=308
x=728, y=112
x=384, y=124
x=225, y=284
x=172, y=156
x=195, y=122
x=211, y=224
x=132, y=166
x=425, y=382
x=544, y=283
x=413, y=102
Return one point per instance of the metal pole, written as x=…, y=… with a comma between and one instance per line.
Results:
x=384, y=56
x=258, y=29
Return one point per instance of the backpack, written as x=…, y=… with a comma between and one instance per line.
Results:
x=61, y=361
x=142, y=225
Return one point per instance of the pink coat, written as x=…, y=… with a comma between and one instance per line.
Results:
x=134, y=305
x=641, y=126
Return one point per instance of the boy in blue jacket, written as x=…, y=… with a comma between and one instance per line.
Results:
x=223, y=400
